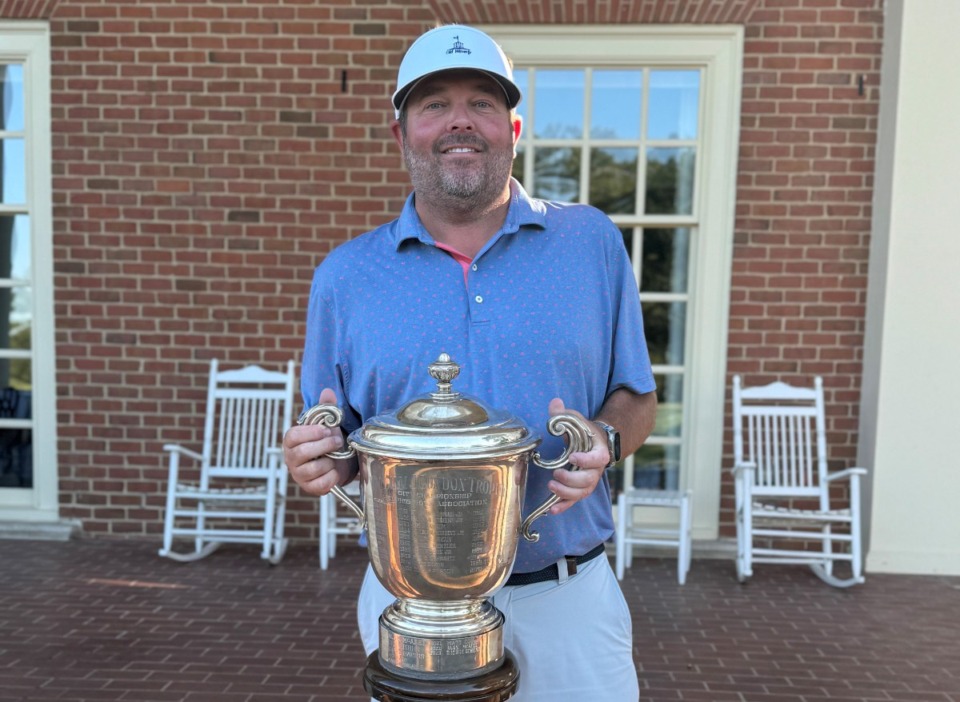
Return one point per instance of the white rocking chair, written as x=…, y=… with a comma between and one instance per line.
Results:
x=241, y=478
x=780, y=463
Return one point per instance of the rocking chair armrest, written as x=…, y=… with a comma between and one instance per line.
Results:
x=185, y=451
x=274, y=456
x=848, y=473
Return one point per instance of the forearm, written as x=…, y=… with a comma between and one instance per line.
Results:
x=632, y=415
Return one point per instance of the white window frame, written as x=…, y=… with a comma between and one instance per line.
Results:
x=28, y=43
x=717, y=50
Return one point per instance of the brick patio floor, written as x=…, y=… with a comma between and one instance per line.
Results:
x=94, y=620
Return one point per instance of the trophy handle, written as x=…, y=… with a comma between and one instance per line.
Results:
x=331, y=416
x=579, y=438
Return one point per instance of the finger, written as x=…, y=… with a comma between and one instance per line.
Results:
x=597, y=457
x=571, y=487
x=316, y=477
x=572, y=483
x=298, y=435
x=328, y=397
x=305, y=447
x=556, y=406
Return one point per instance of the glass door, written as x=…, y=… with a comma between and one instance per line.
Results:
x=641, y=122
x=16, y=435
x=625, y=140
x=28, y=466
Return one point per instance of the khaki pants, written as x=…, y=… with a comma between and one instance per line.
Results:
x=573, y=640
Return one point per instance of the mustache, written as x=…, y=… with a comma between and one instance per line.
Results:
x=460, y=140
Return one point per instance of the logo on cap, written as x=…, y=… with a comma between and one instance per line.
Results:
x=458, y=47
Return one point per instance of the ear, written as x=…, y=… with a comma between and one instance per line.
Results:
x=517, y=128
x=397, y=133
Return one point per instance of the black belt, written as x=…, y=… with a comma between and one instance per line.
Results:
x=551, y=572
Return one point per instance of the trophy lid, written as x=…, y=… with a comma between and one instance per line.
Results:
x=444, y=425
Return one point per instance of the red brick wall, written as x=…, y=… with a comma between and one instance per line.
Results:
x=208, y=155
x=808, y=134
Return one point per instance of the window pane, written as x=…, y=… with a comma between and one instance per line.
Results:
x=670, y=181
x=669, y=405
x=656, y=467
x=559, y=104
x=15, y=247
x=663, y=324
x=674, y=104
x=16, y=318
x=613, y=180
x=16, y=458
x=11, y=98
x=627, y=234
x=13, y=172
x=15, y=376
x=615, y=104
x=557, y=174
x=665, y=260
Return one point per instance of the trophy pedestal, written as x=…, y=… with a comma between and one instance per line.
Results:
x=496, y=685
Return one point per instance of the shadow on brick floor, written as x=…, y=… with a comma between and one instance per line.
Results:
x=92, y=620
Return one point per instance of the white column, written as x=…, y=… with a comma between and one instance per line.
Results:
x=910, y=414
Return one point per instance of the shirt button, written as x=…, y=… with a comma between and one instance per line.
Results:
x=474, y=266
x=479, y=298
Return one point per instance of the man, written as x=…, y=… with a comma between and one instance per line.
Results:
x=537, y=303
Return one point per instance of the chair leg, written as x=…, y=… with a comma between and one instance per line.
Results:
x=325, y=531
x=621, y=536
x=171, y=506
x=683, y=555
x=744, y=542
x=278, y=541
x=827, y=549
x=198, y=543
x=268, y=514
x=332, y=515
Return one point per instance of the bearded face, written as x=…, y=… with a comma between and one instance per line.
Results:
x=457, y=135
x=476, y=179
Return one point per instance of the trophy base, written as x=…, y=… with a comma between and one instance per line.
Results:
x=497, y=685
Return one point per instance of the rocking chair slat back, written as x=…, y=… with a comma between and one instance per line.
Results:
x=781, y=439
x=249, y=421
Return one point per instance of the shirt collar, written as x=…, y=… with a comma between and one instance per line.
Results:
x=524, y=211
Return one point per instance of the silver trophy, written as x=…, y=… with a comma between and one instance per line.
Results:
x=442, y=480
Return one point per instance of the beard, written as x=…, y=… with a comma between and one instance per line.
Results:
x=461, y=186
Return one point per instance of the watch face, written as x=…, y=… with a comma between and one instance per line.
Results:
x=613, y=441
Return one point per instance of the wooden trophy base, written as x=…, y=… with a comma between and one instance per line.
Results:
x=496, y=686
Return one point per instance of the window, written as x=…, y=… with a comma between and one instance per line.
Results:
x=28, y=473
x=642, y=122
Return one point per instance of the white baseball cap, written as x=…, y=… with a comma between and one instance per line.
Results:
x=454, y=46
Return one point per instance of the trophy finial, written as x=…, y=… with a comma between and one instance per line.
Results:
x=444, y=370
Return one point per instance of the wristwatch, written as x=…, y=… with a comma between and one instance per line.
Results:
x=613, y=441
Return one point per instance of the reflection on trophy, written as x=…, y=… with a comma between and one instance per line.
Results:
x=442, y=481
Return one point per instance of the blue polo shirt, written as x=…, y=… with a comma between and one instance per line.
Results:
x=549, y=308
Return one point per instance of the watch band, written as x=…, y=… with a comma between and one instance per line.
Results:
x=613, y=441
